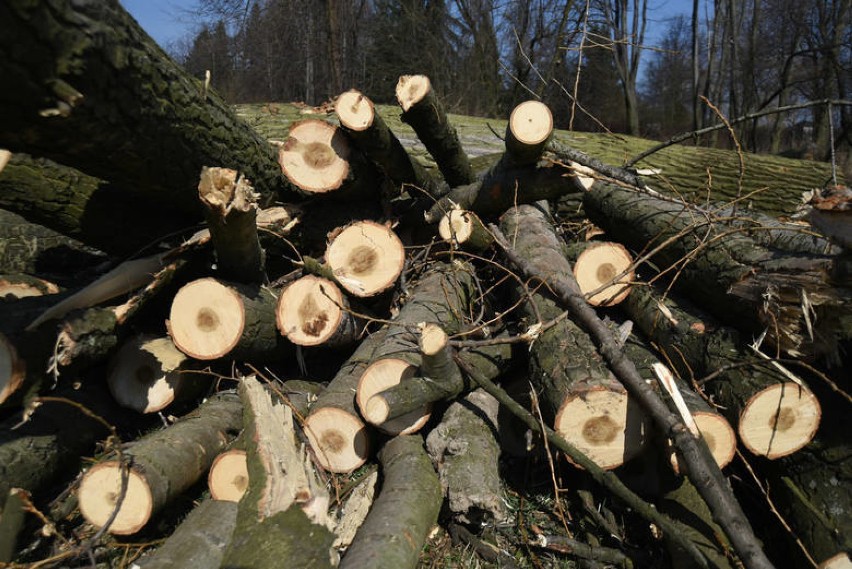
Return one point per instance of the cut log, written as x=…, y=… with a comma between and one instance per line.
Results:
x=12, y=369
x=366, y=128
x=366, y=258
x=312, y=311
x=739, y=281
x=408, y=502
x=317, y=158
x=580, y=395
x=210, y=320
x=228, y=479
x=199, y=541
x=20, y=286
x=94, y=83
x=283, y=517
x=503, y=186
x=148, y=374
x=163, y=465
x=466, y=453
x=782, y=416
x=441, y=297
x=338, y=436
x=529, y=129
x=230, y=207
x=464, y=229
x=422, y=109
x=596, y=265
x=714, y=428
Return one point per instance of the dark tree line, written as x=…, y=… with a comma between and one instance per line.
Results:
x=592, y=62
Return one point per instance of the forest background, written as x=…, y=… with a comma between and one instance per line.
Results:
x=600, y=65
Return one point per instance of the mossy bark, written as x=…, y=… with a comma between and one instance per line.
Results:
x=408, y=505
x=87, y=72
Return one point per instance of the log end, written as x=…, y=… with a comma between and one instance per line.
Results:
x=228, y=478
x=379, y=376
x=531, y=123
x=464, y=229
x=145, y=375
x=606, y=425
x=839, y=561
x=21, y=286
x=719, y=436
x=206, y=319
x=12, y=369
x=433, y=339
x=366, y=258
x=598, y=265
x=310, y=310
x=339, y=439
x=411, y=89
x=315, y=156
x=100, y=492
x=779, y=420
x=355, y=110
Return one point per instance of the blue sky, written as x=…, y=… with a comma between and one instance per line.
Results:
x=168, y=20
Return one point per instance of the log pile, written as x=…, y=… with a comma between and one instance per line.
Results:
x=456, y=341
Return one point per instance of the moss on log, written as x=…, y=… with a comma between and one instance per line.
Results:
x=86, y=71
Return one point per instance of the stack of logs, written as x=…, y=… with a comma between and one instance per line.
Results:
x=432, y=298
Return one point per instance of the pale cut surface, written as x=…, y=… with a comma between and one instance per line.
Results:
x=99, y=492
x=17, y=289
x=339, y=439
x=410, y=90
x=456, y=226
x=11, y=369
x=206, y=319
x=145, y=374
x=433, y=339
x=607, y=426
x=315, y=156
x=354, y=110
x=779, y=420
x=531, y=122
x=228, y=478
x=597, y=266
x=366, y=258
x=5, y=156
x=719, y=436
x=839, y=561
x=381, y=375
x=309, y=311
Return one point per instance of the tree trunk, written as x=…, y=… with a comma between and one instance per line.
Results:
x=149, y=126
x=312, y=312
x=408, y=504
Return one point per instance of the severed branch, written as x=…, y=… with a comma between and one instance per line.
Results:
x=701, y=467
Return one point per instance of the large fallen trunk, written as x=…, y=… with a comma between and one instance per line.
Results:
x=147, y=125
x=741, y=282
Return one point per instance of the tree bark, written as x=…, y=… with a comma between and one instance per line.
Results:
x=199, y=541
x=466, y=453
x=408, y=502
x=423, y=110
x=582, y=399
x=150, y=127
x=164, y=464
